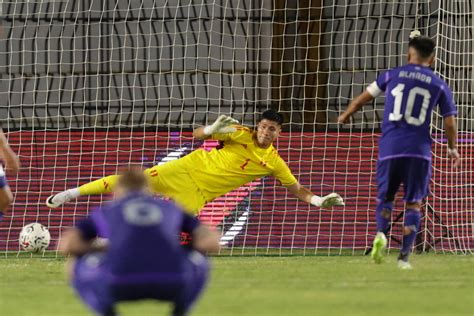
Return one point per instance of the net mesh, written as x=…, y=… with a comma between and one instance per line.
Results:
x=90, y=86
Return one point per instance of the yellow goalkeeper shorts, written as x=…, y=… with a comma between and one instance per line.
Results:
x=172, y=181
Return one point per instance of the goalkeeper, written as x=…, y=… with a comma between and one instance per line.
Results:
x=201, y=176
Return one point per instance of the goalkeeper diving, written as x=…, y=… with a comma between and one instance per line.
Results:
x=201, y=176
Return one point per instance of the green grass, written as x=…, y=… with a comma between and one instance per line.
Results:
x=271, y=286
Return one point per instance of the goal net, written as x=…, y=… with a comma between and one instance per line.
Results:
x=88, y=87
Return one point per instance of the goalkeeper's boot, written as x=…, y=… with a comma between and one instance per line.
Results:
x=403, y=263
x=378, y=247
x=331, y=200
x=56, y=200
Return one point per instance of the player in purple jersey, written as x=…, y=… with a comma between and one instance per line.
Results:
x=412, y=91
x=142, y=258
x=13, y=164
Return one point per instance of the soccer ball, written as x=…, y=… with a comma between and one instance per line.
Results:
x=34, y=237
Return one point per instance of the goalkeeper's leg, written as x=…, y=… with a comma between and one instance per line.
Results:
x=101, y=186
x=169, y=180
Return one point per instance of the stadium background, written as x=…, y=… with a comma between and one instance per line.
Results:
x=90, y=86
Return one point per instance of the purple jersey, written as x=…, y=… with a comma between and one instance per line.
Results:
x=143, y=238
x=3, y=179
x=412, y=91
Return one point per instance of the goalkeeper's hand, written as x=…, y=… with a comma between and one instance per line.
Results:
x=327, y=201
x=221, y=126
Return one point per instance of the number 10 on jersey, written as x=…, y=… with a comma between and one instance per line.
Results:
x=398, y=92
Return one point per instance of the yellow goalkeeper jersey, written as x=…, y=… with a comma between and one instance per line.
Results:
x=201, y=176
x=238, y=162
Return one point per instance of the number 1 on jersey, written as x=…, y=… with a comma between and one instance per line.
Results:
x=242, y=166
x=397, y=93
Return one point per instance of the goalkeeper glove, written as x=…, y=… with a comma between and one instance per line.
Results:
x=221, y=126
x=327, y=201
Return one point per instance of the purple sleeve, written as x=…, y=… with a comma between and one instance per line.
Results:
x=100, y=222
x=190, y=223
x=87, y=228
x=94, y=226
x=446, y=102
x=383, y=79
x=3, y=182
x=3, y=179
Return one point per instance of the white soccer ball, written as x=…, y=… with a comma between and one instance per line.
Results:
x=34, y=237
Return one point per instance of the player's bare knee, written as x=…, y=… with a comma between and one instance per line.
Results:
x=6, y=198
x=408, y=230
x=413, y=205
x=386, y=213
x=4, y=204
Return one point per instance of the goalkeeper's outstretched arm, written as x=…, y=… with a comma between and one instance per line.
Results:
x=307, y=196
x=221, y=126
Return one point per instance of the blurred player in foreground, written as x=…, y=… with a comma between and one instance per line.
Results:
x=142, y=258
x=13, y=164
x=413, y=91
x=202, y=176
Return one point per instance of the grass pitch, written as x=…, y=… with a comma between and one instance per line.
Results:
x=271, y=286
